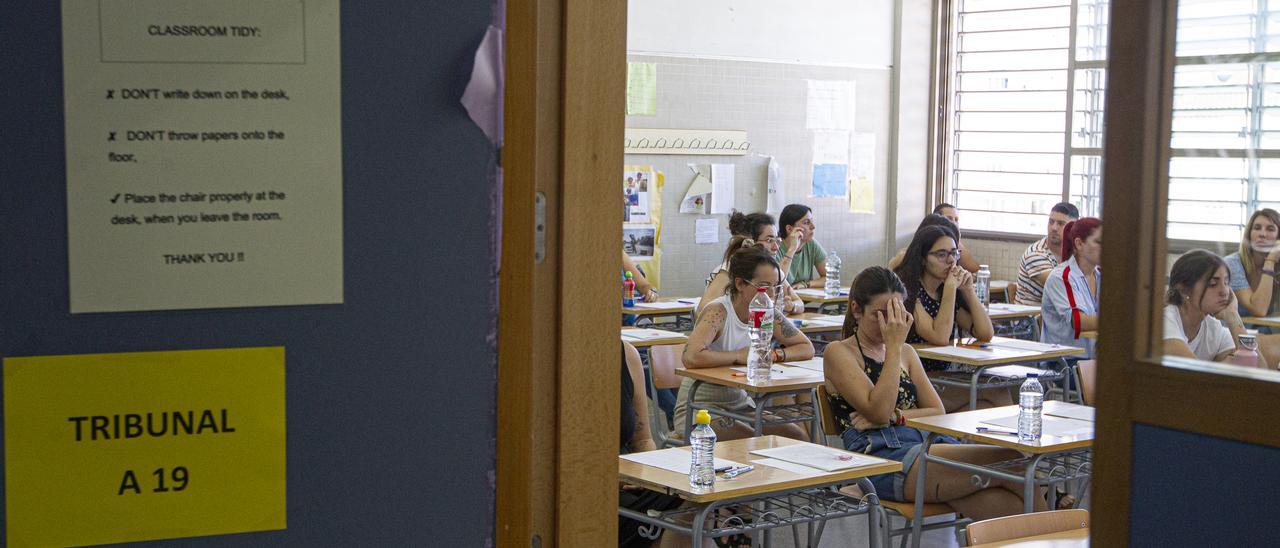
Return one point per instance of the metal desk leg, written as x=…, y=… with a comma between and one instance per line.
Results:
x=1029, y=485
x=761, y=401
x=874, y=514
x=689, y=412
x=816, y=425
x=922, y=463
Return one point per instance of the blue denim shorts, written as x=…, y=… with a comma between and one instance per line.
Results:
x=900, y=443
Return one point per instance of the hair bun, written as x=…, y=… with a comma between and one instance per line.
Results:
x=748, y=242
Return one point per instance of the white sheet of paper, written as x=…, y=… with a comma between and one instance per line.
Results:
x=788, y=466
x=722, y=188
x=648, y=334
x=1050, y=426
x=830, y=104
x=675, y=459
x=812, y=364
x=778, y=373
x=1009, y=308
x=830, y=146
x=817, y=456
x=1030, y=345
x=690, y=301
x=823, y=322
x=1010, y=371
x=818, y=293
x=1080, y=413
x=706, y=231
x=776, y=186
x=662, y=305
x=963, y=352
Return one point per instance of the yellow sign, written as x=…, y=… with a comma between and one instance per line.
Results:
x=107, y=448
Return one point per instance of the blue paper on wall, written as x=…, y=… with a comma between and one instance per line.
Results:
x=830, y=180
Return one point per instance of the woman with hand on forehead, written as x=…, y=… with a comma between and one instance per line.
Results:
x=876, y=382
x=721, y=337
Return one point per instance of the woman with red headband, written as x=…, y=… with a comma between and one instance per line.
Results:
x=1070, y=305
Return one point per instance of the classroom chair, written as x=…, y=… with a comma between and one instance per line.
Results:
x=663, y=361
x=1088, y=375
x=904, y=510
x=1026, y=525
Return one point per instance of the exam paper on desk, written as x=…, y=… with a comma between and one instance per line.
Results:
x=675, y=459
x=817, y=456
x=1050, y=426
x=648, y=334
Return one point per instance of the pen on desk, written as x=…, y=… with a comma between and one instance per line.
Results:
x=685, y=301
x=738, y=471
x=986, y=430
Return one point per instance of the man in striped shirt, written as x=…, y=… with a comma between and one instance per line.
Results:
x=1040, y=258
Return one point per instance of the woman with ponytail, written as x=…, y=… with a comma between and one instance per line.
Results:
x=1070, y=305
x=748, y=230
x=876, y=382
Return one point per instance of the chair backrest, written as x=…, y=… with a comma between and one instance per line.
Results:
x=1026, y=525
x=1088, y=379
x=663, y=361
x=829, y=425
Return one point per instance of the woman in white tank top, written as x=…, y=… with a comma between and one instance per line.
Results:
x=720, y=338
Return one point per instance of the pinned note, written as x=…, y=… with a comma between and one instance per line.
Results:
x=706, y=231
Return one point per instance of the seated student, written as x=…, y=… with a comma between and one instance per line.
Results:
x=1199, y=300
x=877, y=382
x=942, y=297
x=1070, y=303
x=644, y=290
x=634, y=437
x=1253, y=266
x=720, y=338
x=808, y=260
x=967, y=261
x=1041, y=257
x=753, y=229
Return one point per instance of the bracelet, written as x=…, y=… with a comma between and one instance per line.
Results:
x=801, y=285
x=783, y=351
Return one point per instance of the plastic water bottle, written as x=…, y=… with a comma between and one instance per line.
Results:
x=832, y=288
x=702, y=442
x=1030, y=404
x=760, y=314
x=1247, y=351
x=628, y=290
x=983, y=285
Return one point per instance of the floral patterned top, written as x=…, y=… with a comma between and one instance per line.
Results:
x=932, y=306
x=906, y=392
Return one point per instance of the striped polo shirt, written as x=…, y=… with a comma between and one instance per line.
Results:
x=1036, y=260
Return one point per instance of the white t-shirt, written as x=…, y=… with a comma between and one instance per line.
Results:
x=1213, y=338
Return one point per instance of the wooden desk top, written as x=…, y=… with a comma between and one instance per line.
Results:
x=685, y=308
x=1089, y=335
x=764, y=479
x=671, y=337
x=1273, y=321
x=964, y=425
x=726, y=376
x=815, y=328
x=1001, y=353
x=1075, y=538
x=1007, y=311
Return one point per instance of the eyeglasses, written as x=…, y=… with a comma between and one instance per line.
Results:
x=769, y=240
x=943, y=254
x=771, y=289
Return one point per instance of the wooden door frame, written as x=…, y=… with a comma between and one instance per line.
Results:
x=558, y=346
x=1136, y=386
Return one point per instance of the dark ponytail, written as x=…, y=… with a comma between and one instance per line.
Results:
x=872, y=281
x=745, y=227
x=1192, y=267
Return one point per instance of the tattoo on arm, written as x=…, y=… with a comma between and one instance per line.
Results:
x=788, y=329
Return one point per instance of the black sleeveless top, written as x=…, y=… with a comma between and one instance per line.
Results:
x=932, y=306
x=906, y=392
x=627, y=413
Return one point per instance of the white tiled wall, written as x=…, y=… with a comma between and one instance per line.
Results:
x=767, y=100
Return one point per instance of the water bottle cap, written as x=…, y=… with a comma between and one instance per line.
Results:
x=628, y=275
x=703, y=417
x=761, y=289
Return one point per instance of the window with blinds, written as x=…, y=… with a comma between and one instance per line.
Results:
x=1025, y=110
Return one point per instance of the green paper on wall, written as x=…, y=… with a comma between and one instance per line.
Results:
x=642, y=89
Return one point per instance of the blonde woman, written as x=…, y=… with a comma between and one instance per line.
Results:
x=1253, y=266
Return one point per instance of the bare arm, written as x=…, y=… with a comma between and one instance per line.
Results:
x=937, y=330
x=843, y=368
x=719, y=284
x=643, y=287
x=975, y=320
x=642, y=439
x=1257, y=300
x=1043, y=276
x=795, y=345
x=897, y=259
x=696, y=351
x=1178, y=347
x=795, y=304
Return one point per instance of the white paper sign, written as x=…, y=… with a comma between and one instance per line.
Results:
x=776, y=187
x=722, y=188
x=706, y=231
x=830, y=104
x=204, y=153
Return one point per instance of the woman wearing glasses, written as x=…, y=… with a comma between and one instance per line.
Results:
x=941, y=297
x=752, y=229
x=1070, y=305
x=720, y=338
